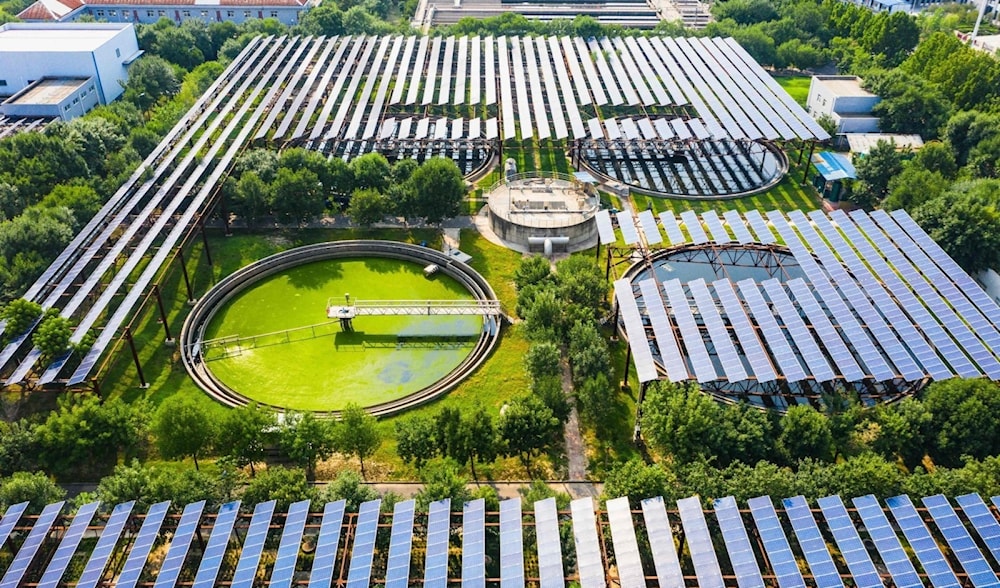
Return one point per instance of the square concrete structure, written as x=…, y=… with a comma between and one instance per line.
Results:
x=64, y=98
x=30, y=52
x=843, y=98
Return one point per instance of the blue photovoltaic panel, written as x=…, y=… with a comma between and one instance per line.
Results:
x=253, y=545
x=218, y=542
x=775, y=543
x=887, y=543
x=960, y=541
x=736, y=225
x=397, y=572
x=12, y=577
x=983, y=520
x=10, y=518
x=105, y=545
x=759, y=226
x=67, y=547
x=781, y=351
x=666, y=342
x=706, y=564
x=365, y=531
x=142, y=545
x=327, y=544
x=648, y=223
x=741, y=553
x=849, y=542
x=661, y=544
x=436, y=560
x=511, y=545
x=549, y=544
x=629, y=310
x=588, y=549
x=753, y=350
x=701, y=362
x=669, y=222
x=732, y=365
x=627, y=226
x=804, y=340
x=626, y=546
x=694, y=227
x=825, y=331
x=291, y=542
x=811, y=542
x=715, y=227
x=604, y=229
x=923, y=544
x=474, y=544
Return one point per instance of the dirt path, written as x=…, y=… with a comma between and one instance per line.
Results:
x=576, y=456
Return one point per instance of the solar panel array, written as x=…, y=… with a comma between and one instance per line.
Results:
x=875, y=301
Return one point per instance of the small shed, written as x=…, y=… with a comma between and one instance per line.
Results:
x=833, y=169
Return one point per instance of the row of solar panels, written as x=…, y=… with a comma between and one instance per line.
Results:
x=901, y=306
x=546, y=79
x=779, y=560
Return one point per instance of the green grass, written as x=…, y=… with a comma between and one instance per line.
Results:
x=787, y=195
x=796, y=86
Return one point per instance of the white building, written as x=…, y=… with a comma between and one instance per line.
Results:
x=150, y=11
x=63, y=69
x=843, y=99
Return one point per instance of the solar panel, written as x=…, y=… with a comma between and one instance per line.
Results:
x=436, y=559
x=328, y=66
x=535, y=90
x=404, y=128
x=10, y=518
x=886, y=542
x=706, y=564
x=444, y=94
x=67, y=546
x=588, y=549
x=476, y=70
x=960, y=541
x=492, y=128
x=474, y=128
x=825, y=331
x=441, y=128
x=780, y=350
x=347, y=105
x=734, y=534
x=418, y=70
x=568, y=100
x=327, y=544
x=923, y=544
x=506, y=97
x=29, y=548
x=604, y=229
x=582, y=54
x=611, y=125
x=143, y=544
x=680, y=77
x=596, y=130
x=490, y=61
x=661, y=544
x=253, y=545
x=647, y=72
x=742, y=107
x=423, y=127
x=653, y=58
x=474, y=544
x=701, y=362
x=397, y=571
x=629, y=129
x=629, y=233
x=680, y=129
x=627, y=559
x=520, y=89
x=803, y=339
x=288, y=549
x=811, y=542
x=739, y=229
x=669, y=222
x=715, y=228
x=852, y=549
x=753, y=350
x=511, y=544
x=647, y=129
x=303, y=92
x=759, y=226
x=694, y=227
x=363, y=551
x=607, y=79
x=105, y=545
x=547, y=540
x=670, y=353
x=289, y=65
x=714, y=107
x=663, y=129
x=551, y=91
x=627, y=72
x=399, y=83
x=983, y=520
x=215, y=550
x=772, y=536
x=719, y=335
x=635, y=331
x=375, y=112
x=431, y=76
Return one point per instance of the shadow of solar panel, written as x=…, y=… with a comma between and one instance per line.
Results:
x=143, y=543
x=29, y=548
x=105, y=545
x=218, y=542
x=291, y=542
x=549, y=544
x=706, y=564
x=772, y=535
x=327, y=544
x=811, y=542
x=253, y=545
x=511, y=544
x=397, y=573
x=738, y=546
x=923, y=544
x=363, y=550
x=960, y=541
x=886, y=542
x=438, y=536
x=588, y=550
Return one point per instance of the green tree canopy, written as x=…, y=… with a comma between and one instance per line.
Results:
x=246, y=432
x=416, y=440
x=371, y=171
x=367, y=207
x=284, y=486
x=875, y=171
x=350, y=488
x=357, y=434
x=33, y=487
x=306, y=440
x=438, y=189
x=526, y=427
x=965, y=221
x=19, y=314
x=962, y=421
x=636, y=480
x=805, y=433
x=297, y=196
x=183, y=427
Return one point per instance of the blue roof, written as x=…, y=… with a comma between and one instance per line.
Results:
x=834, y=166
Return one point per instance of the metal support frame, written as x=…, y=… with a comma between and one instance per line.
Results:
x=163, y=313
x=184, y=272
x=204, y=240
x=135, y=357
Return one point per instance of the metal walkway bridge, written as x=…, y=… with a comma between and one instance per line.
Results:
x=412, y=308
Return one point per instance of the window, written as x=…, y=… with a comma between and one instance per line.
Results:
x=230, y=13
x=150, y=13
x=91, y=88
x=274, y=14
x=186, y=13
x=113, y=14
x=3, y=83
x=76, y=101
x=83, y=94
x=118, y=52
x=161, y=12
x=204, y=14
x=246, y=14
x=100, y=14
x=66, y=107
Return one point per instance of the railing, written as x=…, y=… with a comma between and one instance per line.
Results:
x=413, y=308
x=532, y=175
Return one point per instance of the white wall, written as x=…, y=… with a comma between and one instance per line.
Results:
x=990, y=280
x=856, y=124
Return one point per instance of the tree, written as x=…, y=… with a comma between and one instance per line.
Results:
x=904, y=431
x=636, y=480
x=18, y=450
x=438, y=189
x=588, y=353
x=262, y=163
x=306, y=440
x=914, y=186
x=918, y=109
x=966, y=223
x=150, y=79
x=681, y=421
x=543, y=316
x=442, y=479
x=747, y=435
x=757, y=43
x=19, y=315
x=543, y=360
x=962, y=421
x=35, y=487
x=795, y=53
x=415, y=439
x=540, y=490
x=745, y=12
x=357, y=433
x=367, y=207
x=875, y=171
x=581, y=282
x=805, y=433
x=892, y=35
x=297, y=196
x=371, y=171
x=597, y=402
x=52, y=337
x=350, y=488
x=936, y=156
x=284, y=486
x=526, y=427
x=479, y=440
x=251, y=198
x=81, y=200
x=531, y=271
x=183, y=427
x=246, y=430
x=341, y=176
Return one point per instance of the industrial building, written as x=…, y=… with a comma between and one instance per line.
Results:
x=63, y=69
x=147, y=12
x=846, y=101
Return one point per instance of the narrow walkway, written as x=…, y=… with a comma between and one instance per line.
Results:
x=576, y=456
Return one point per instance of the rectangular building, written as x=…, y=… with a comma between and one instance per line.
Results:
x=150, y=11
x=843, y=99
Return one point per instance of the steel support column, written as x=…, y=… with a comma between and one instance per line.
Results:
x=135, y=358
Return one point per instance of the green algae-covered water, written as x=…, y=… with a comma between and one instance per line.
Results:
x=252, y=349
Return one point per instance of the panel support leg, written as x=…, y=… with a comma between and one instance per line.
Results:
x=163, y=314
x=135, y=357
x=184, y=272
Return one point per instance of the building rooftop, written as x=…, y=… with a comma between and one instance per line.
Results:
x=844, y=85
x=56, y=37
x=49, y=91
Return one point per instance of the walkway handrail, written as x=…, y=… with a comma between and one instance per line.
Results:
x=531, y=176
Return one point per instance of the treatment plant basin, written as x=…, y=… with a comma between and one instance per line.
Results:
x=263, y=334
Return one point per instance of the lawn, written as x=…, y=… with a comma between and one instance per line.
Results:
x=789, y=194
x=796, y=86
